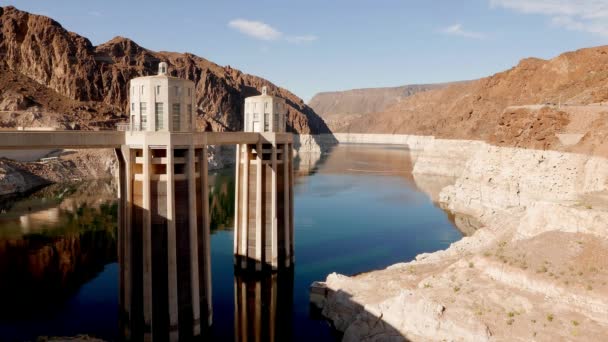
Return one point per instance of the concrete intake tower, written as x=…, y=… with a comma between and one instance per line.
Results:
x=164, y=232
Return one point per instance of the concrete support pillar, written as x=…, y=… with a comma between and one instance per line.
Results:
x=124, y=234
x=193, y=238
x=292, y=254
x=274, y=240
x=205, y=236
x=164, y=242
x=264, y=200
x=259, y=192
x=238, y=189
x=147, y=243
x=244, y=207
x=287, y=188
x=171, y=245
x=121, y=216
x=129, y=157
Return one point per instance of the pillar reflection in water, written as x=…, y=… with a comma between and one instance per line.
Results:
x=163, y=243
x=263, y=305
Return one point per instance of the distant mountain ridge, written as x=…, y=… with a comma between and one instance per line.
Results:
x=93, y=79
x=500, y=108
x=339, y=108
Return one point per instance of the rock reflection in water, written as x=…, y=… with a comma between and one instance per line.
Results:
x=372, y=160
x=263, y=306
x=221, y=199
x=432, y=185
x=305, y=163
x=50, y=248
x=52, y=206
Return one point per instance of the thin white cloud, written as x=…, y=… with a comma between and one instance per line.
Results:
x=255, y=29
x=95, y=14
x=262, y=31
x=458, y=30
x=575, y=15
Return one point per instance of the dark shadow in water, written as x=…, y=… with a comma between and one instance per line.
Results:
x=263, y=303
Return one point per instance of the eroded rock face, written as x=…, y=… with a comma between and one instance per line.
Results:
x=11, y=101
x=484, y=109
x=42, y=50
x=498, y=178
x=20, y=177
x=11, y=180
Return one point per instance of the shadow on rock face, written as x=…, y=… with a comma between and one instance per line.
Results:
x=349, y=319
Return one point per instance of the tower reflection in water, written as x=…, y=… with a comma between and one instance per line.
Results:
x=263, y=306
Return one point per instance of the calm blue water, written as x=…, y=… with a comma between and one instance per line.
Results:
x=356, y=210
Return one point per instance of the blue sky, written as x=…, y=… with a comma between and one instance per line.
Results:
x=322, y=45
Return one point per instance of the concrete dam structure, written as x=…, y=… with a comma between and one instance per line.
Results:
x=164, y=234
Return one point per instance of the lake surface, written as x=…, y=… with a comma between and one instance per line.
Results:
x=356, y=209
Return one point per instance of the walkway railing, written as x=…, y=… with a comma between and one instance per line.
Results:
x=128, y=127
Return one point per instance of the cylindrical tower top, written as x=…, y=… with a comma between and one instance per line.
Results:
x=162, y=68
x=265, y=113
x=162, y=103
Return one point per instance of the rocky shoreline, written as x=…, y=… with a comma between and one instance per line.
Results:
x=63, y=166
x=535, y=266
